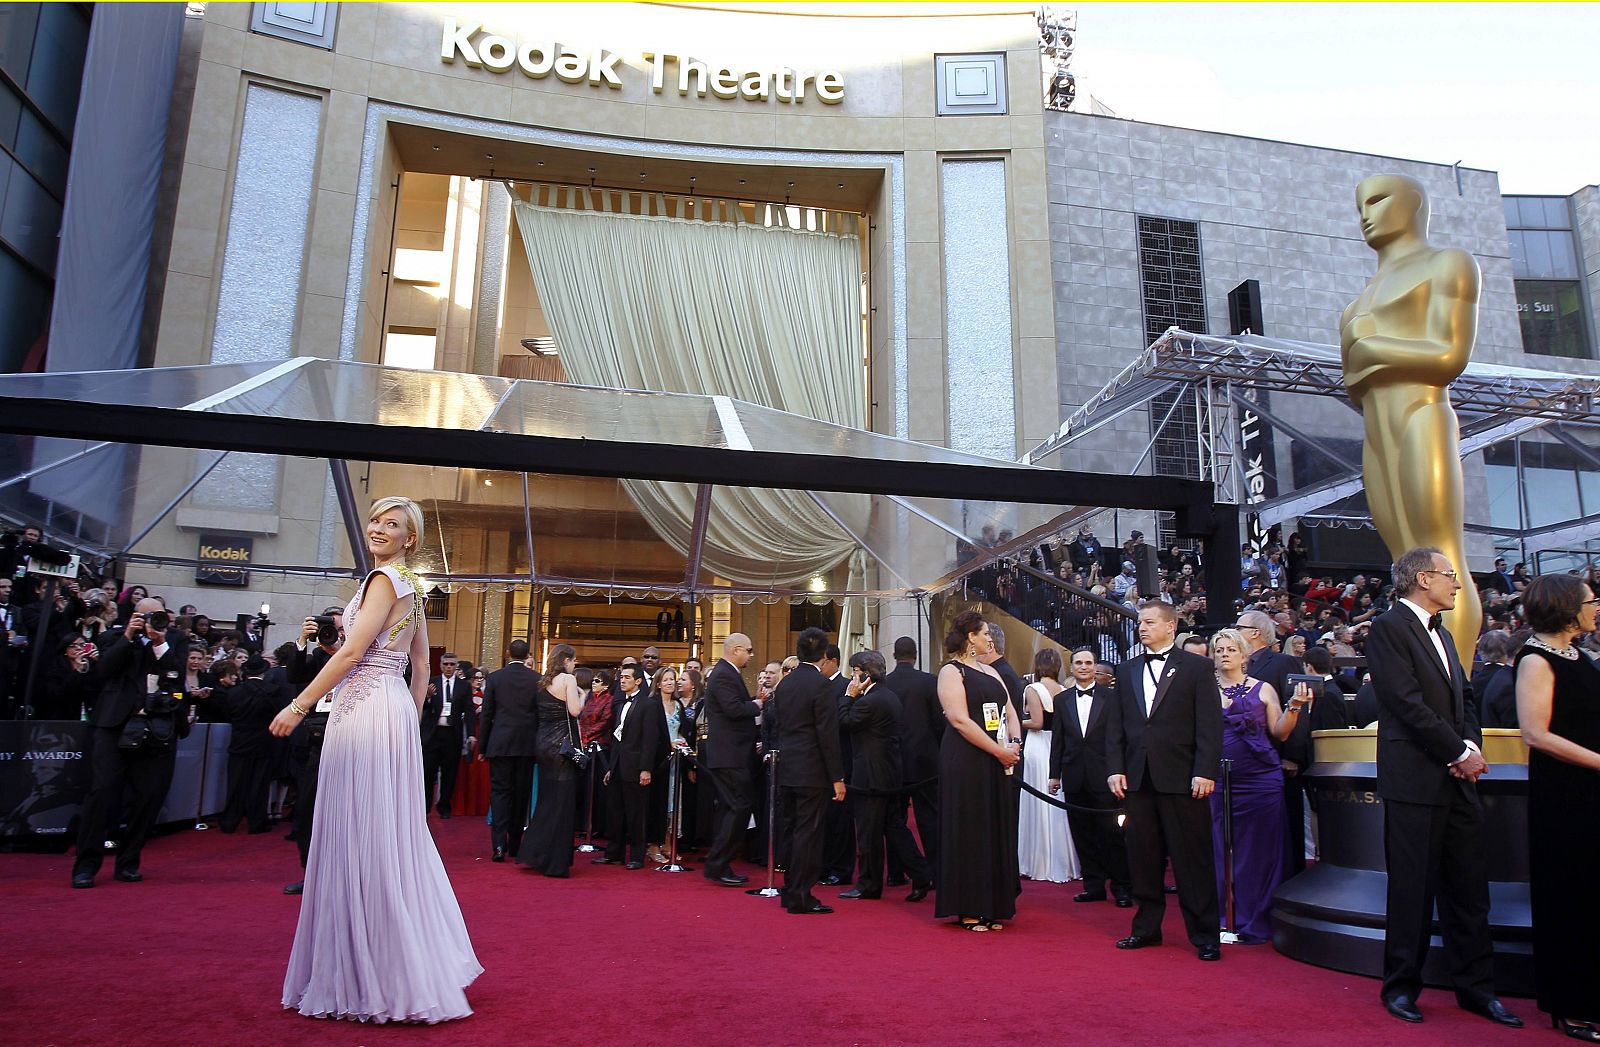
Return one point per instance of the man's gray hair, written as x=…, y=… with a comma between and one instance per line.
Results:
x=872, y=663
x=1411, y=563
x=1261, y=621
x=998, y=635
x=1496, y=645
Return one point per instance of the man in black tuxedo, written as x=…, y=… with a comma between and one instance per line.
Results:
x=871, y=716
x=1078, y=768
x=641, y=744
x=318, y=642
x=921, y=730
x=839, y=852
x=449, y=697
x=508, y=737
x=810, y=770
x=727, y=754
x=1163, y=755
x=137, y=663
x=1428, y=767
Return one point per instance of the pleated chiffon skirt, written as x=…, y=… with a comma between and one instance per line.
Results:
x=380, y=937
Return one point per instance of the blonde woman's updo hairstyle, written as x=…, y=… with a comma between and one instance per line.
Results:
x=409, y=509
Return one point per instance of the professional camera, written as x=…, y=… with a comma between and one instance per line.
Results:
x=160, y=621
x=327, y=630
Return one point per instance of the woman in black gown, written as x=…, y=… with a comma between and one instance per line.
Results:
x=547, y=845
x=978, y=881
x=1558, y=708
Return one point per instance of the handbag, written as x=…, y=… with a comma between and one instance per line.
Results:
x=570, y=750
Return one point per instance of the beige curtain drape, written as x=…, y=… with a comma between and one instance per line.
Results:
x=665, y=301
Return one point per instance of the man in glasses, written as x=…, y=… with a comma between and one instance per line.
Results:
x=1429, y=762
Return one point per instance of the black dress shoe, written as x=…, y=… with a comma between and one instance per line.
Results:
x=918, y=893
x=830, y=881
x=1577, y=1030
x=444, y=814
x=82, y=880
x=1139, y=941
x=1493, y=1010
x=732, y=880
x=1089, y=896
x=634, y=865
x=1124, y=901
x=1402, y=1007
x=602, y=860
x=499, y=855
x=857, y=894
x=814, y=909
x=1170, y=889
x=1210, y=952
x=294, y=888
x=128, y=877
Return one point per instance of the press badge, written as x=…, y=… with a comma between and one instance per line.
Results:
x=991, y=717
x=151, y=680
x=444, y=710
x=325, y=705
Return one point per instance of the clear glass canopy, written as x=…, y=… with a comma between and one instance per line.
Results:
x=153, y=431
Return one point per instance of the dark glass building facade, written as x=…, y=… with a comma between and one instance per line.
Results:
x=42, y=48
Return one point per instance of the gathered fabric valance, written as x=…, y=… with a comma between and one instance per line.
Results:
x=644, y=292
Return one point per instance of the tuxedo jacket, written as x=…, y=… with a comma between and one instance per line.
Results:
x=1494, y=689
x=1181, y=739
x=251, y=707
x=873, y=722
x=1078, y=758
x=458, y=691
x=125, y=668
x=730, y=717
x=1274, y=667
x=508, y=724
x=1013, y=682
x=921, y=721
x=643, y=744
x=806, y=730
x=1425, y=717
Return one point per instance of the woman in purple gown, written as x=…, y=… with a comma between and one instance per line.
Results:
x=1251, y=720
x=381, y=936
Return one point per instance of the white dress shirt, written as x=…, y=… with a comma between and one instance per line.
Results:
x=1149, y=680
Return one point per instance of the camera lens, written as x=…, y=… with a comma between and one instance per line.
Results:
x=160, y=620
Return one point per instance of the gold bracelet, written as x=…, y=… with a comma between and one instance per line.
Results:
x=294, y=707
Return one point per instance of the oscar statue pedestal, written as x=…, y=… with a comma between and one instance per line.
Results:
x=1332, y=915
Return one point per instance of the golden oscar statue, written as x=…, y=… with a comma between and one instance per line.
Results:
x=1403, y=341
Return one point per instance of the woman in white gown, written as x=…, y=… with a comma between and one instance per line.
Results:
x=1044, y=843
x=381, y=936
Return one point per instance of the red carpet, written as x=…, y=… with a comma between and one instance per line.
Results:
x=195, y=956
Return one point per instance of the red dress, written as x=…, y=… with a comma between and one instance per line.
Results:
x=472, y=783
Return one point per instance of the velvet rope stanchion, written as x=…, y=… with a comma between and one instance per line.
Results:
x=770, y=758
x=1230, y=936
x=674, y=797
x=587, y=846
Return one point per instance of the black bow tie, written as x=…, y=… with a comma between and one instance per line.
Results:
x=1154, y=657
x=1085, y=694
x=1435, y=623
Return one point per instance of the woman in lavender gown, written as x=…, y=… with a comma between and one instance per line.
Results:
x=1251, y=720
x=381, y=936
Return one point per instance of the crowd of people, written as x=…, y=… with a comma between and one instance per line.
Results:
x=1102, y=768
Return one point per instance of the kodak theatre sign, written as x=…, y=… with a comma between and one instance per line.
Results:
x=537, y=59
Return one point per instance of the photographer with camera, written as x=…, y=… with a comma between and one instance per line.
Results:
x=137, y=724
x=320, y=636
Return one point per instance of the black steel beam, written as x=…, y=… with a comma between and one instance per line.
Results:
x=175, y=427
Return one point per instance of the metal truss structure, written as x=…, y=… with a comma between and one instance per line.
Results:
x=1224, y=376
